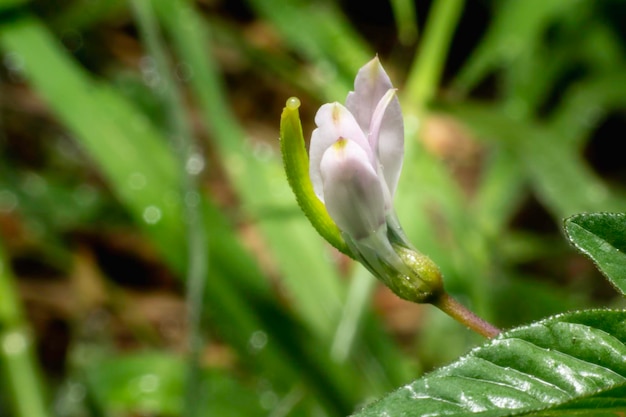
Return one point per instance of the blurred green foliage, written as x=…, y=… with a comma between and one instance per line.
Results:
x=519, y=129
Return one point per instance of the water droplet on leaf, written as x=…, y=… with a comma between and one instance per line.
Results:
x=262, y=151
x=149, y=383
x=35, y=185
x=184, y=72
x=195, y=164
x=192, y=199
x=152, y=214
x=14, y=343
x=8, y=201
x=137, y=181
x=14, y=63
x=293, y=103
x=258, y=340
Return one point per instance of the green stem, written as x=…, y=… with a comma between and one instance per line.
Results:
x=463, y=315
x=406, y=20
x=425, y=72
x=358, y=300
x=197, y=259
x=21, y=374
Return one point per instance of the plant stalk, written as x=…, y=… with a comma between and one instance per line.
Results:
x=197, y=245
x=425, y=73
x=446, y=303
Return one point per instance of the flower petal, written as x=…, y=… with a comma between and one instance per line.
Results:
x=354, y=195
x=333, y=121
x=370, y=86
x=387, y=138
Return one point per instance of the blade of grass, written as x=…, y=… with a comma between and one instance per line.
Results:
x=260, y=183
x=420, y=88
x=529, y=79
x=108, y=128
x=83, y=15
x=119, y=138
x=442, y=224
x=320, y=32
x=6, y=5
x=517, y=27
x=197, y=258
x=433, y=211
x=276, y=63
x=289, y=238
x=553, y=167
x=359, y=297
x=585, y=104
x=17, y=357
x=499, y=193
x=426, y=69
x=406, y=20
x=310, y=275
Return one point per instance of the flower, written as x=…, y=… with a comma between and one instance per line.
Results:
x=355, y=157
x=356, y=154
x=346, y=183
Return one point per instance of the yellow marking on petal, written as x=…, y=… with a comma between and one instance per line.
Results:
x=336, y=113
x=340, y=144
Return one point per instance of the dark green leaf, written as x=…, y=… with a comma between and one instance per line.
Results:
x=602, y=237
x=567, y=364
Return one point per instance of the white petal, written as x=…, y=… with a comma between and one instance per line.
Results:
x=353, y=193
x=387, y=138
x=333, y=121
x=370, y=86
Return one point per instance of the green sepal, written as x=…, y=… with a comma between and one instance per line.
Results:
x=296, y=163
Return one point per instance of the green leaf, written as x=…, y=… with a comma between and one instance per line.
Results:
x=322, y=33
x=125, y=146
x=587, y=104
x=602, y=237
x=517, y=28
x=569, y=364
x=405, y=17
x=257, y=177
x=552, y=166
x=153, y=383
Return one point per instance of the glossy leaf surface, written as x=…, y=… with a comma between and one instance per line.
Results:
x=602, y=237
x=574, y=363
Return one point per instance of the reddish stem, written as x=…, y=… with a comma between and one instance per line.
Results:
x=460, y=313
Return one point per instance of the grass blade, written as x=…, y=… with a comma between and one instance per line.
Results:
x=17, y=356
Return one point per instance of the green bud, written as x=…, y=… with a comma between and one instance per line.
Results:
x=422, y=283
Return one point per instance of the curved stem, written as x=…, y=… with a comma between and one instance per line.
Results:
x=446, y=303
